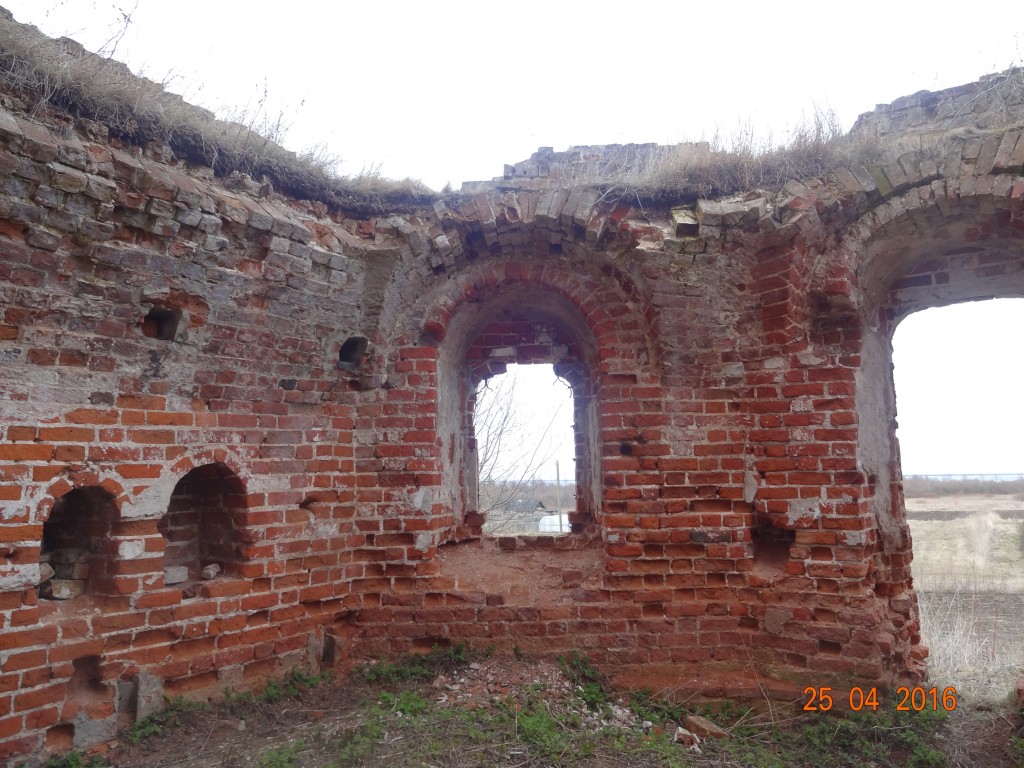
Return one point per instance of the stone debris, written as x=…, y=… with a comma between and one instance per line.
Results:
x=500, y=680
x=175, y=574
x=210, y=571
x=689, y=740
x=704, y=728
x=62, y=589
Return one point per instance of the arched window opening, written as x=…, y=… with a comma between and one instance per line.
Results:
x=518, y=325
x=960, y=417
x=74, y=557
x=200, y=529
x=525, y=443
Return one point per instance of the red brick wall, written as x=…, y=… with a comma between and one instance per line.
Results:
x=739, y=504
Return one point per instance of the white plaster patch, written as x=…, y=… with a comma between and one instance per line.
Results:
x=19, y=577
x=424, y=541
x=803, y=508
x=749, y=486
x=13, y=511
x=153, y=501
x=263, y=484
x=733, y=369
x=132, y=549
x=422, y=499
x=175, y=574
x=854, y=538
x=322, y=529
x=809, y=359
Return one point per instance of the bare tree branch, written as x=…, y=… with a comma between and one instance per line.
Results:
x=509, y=456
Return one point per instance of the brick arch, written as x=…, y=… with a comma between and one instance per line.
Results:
x=77, y=542
x=71, y=480
x=607, y=355
x=893, y=246
x=604, y=302
x=197, y=457
x=938, y=243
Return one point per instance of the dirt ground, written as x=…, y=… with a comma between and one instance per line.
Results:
x=236, y=737
x=321, y=727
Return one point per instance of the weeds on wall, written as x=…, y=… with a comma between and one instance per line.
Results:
x=46, y=74
x=60, y=74
x=742, y=161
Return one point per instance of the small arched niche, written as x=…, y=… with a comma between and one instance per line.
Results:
x=200, y=527
x=352, y=353
x=76, y=551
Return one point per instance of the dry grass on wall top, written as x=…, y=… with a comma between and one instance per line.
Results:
x=39, y=75
x=742, y=162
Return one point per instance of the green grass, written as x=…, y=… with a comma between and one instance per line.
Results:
x=175, y=710
x=415, y=667
x=75, y=760
x=880, y=737
x=391, y=714
x=282, y=757
x=291, y=687
x=589, y=683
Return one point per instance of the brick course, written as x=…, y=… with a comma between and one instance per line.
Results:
x=737, y=475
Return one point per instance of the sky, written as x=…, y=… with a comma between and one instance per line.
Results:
x=959, y=394
x=541, y=418
x=450, y=91
x=959, y=376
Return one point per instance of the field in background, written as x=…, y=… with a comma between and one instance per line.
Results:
x=969, y=572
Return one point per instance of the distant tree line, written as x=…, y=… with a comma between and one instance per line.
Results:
x=940, y=486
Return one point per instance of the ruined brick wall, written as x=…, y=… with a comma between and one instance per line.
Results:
x=993, y=104
x=196, y=376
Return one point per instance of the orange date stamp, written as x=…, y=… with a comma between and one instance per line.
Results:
x=916, y=699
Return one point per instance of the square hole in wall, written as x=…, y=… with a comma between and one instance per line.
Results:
x=161, y=323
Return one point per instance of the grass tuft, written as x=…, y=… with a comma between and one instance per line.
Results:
x=416, y=667
x=176, y=710
x=75, y=759
x=47, y=77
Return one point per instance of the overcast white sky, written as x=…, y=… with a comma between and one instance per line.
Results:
x=960, y=388
x=449, y=91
